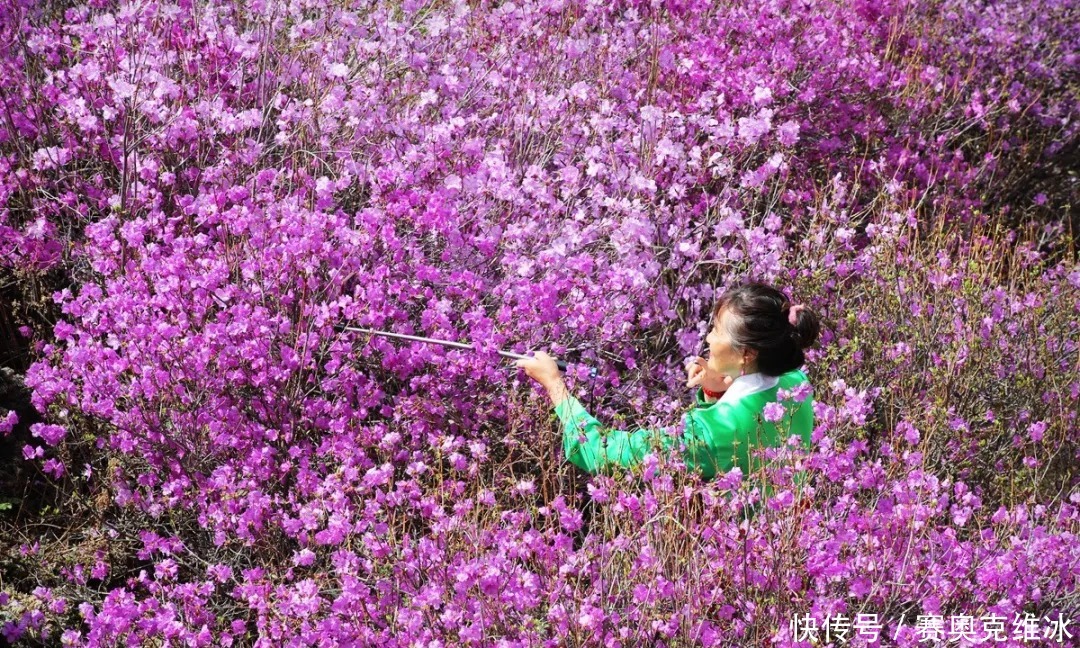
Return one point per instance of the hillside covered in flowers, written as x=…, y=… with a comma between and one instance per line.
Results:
x=196, y=195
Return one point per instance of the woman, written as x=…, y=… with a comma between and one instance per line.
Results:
x=755, y=350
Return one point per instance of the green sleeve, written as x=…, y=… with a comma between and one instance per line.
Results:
x=712, y=437
x=708, y=435
x=592, y=448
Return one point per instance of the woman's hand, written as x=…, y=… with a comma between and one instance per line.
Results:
x=698, y=374
x=542, y=368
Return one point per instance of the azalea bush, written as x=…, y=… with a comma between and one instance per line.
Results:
x=195, y=197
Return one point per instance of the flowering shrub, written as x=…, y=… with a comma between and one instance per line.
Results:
x=220, y=185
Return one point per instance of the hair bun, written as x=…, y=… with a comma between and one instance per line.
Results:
x=805, y=323
x=793, y=313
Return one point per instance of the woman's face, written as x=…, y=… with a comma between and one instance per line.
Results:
x=723, y=359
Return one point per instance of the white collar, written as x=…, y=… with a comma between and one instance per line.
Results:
x=748, y=384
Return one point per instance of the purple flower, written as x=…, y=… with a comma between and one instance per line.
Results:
x=54, y=468
x=51, y=434
x=908, y=432
x=220, y=573
x=304, y=558
x=166, y=569
x=7, y=423
x=773, y=412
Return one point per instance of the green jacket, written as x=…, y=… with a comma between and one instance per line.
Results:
x=718, y=436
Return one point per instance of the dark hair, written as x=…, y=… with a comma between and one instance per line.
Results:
x=758, y=320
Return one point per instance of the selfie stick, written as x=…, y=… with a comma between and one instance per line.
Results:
x=457, y=345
